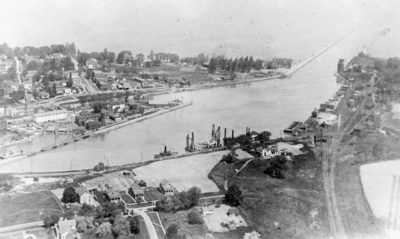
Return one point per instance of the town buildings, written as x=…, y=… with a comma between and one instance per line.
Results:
x=50, y=116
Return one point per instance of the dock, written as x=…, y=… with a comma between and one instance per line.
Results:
x=295, y=125
x=98, y=131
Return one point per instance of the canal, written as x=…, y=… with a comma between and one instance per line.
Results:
x=269, y=105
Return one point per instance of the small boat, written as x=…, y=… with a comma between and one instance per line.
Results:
x=165, y=154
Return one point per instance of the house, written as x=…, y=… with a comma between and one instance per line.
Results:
x=114, y=195
x=85, y=196
x=137, y=191
x=68, y=91
x=268, y=152
x=166, y=188
x=92, y=64
x=66, y=229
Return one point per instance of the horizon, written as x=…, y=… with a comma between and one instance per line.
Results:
x=262, y=29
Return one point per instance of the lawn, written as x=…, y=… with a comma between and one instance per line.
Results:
x=183, y=173
x=127, y=198
x=153, y=194
x=24, y=208
x=181, y=219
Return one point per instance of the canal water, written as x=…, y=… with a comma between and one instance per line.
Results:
x=269, y=105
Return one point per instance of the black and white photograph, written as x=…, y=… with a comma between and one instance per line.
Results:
x=199, y=119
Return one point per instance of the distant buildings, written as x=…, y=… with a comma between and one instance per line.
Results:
x=92, y=64
x=5, y=64
x=50, y=116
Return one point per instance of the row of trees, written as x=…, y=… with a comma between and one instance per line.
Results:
x=243, y=64
x=66, y=49
x=104, y=56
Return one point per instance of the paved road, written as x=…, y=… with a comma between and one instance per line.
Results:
x=21, y=227
x=149, y=224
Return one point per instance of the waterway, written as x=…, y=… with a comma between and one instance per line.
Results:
x=269, y=105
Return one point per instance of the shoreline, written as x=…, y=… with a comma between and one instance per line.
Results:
x=111, y=168
x=94, y=133
x=128, y=122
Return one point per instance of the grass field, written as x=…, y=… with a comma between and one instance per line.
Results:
x=281, y=208
x=183, y=173
x=25, y=208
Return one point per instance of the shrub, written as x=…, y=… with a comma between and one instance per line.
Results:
x=194, y=217
x=234, y=195
x=51, y=220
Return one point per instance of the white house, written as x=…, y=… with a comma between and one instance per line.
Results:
x=85, y=196
x=66, y=229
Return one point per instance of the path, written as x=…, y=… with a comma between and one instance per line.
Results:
x=149, y=224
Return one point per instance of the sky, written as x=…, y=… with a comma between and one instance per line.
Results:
x=289, y=28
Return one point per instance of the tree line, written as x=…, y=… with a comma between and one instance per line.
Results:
x=66, y=49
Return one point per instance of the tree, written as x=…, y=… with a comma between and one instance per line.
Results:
x=121, y=227
x=51, y=220
x=193, y=196
x=86, y=210
x=109, y=209
x=97, y=107
x=172, y=231
x=70, y=196
x=194, y=217
x=134, y=225
x=264, y=136
x=12, y=73
x=234, y=195
x=69, y=214
x=258, y=65
x=277, y=168
x=212, y=66
x=67, y=64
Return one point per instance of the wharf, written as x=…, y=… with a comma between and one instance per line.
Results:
x=96, y=132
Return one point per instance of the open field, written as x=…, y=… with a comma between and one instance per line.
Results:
x=355, y=154
x=25, y=208
x=282, y=208
x=381, y=183
x=183, y=173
